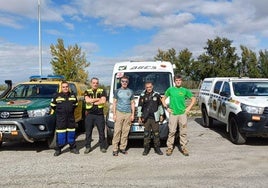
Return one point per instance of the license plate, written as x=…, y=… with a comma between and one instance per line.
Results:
x=7, y=128
x=137, y=129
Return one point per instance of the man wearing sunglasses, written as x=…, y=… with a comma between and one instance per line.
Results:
x=123, y=114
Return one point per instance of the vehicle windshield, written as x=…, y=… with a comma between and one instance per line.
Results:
x=161, y=81
x=252, y=88
x=33, y=91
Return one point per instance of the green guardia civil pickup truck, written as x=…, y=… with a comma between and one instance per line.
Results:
x=25, y=113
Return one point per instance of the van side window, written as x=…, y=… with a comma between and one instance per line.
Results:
x=206, y=86
x=217, y=87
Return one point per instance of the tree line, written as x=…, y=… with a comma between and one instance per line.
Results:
x=219, y=59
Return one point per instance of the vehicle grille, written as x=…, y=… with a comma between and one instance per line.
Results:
x=13, y=114
x=265, y=110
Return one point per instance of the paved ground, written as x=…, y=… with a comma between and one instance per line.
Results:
x=213, y=162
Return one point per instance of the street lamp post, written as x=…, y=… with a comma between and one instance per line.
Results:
x=39, y=39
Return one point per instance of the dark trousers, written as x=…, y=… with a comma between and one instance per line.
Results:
x=151, y=126
x=90, y=121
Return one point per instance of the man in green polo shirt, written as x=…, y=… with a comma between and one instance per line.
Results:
x=178, y=110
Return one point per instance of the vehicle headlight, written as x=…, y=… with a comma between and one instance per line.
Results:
x=38, y=112
x=252, y=109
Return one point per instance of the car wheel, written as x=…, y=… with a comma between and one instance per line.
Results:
x=235, y=136
x=51, y=141
x=207, y=121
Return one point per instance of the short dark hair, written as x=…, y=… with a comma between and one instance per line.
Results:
x=148, y=82
x=64, y=82
x=177, y=76
x=125, y=77
x=94, y=78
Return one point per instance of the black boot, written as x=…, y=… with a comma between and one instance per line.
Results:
x=146, y=151
x=57, y=152
x=158, y=151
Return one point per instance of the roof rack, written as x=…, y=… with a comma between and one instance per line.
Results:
x=48, y=77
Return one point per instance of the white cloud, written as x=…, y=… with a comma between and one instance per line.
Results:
x=18, y=62
x=178, y=24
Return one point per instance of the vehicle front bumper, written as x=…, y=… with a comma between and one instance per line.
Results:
x=253, y=125
x=28, y=128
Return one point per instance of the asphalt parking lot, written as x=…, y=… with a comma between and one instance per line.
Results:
x=213, y=162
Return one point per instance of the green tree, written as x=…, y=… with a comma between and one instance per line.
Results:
x=219, y=59
x=169, y=55
x=263, y=62
x=249, y=64
x=69, y=62
x=182, y=61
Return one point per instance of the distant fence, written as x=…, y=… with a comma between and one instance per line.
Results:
x=191, y=84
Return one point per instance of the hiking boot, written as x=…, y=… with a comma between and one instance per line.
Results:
x=158, y=151
x=87, y=150
x=115, y=153
x=185, y=152
x=74, y=151
x=103, y=150
x=146, y=151
x=57, y=153
x=123, y=151
x=169, y=151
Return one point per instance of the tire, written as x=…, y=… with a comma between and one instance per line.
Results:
x=235, y=136
x=51, y=142
x=207, y=121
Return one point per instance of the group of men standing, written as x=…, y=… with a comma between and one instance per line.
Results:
x=150, y=113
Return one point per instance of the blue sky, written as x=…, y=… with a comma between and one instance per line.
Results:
x=109, y=31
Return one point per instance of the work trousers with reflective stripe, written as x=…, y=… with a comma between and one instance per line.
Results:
x=174, y=122
x=65, y=136
x=121, y=130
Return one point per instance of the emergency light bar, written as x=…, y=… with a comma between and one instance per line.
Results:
x=48, y=77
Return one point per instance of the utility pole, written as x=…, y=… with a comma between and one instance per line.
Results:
x=39, y=39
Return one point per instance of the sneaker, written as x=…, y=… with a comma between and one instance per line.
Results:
x=115, y=153
x=103, y=150
x=74, y=151
x=158, y=151
x=87, y=150
x=169, y=151
x=185, y=152
x=57, y=153
x=123, y=151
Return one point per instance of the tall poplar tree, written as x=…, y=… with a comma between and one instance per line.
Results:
x=70, y=62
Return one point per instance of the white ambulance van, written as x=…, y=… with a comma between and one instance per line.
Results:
x=160, y=73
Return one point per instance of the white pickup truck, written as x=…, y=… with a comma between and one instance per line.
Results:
x=240, y=103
